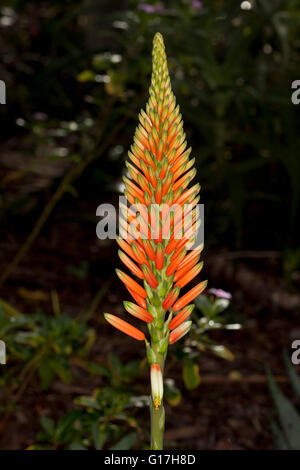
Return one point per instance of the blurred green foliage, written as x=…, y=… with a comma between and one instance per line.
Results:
x=42, y=344
x=211, y=313
x=105, y=419
x=73, y=68
x=286, y=429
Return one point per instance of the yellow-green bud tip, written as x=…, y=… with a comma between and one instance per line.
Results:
x=158, y=38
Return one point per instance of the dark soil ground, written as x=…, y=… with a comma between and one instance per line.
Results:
x=222, y=413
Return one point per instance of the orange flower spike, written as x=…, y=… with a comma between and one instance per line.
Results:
x=181, y=272
x=192, y=256
x=171, y=297
x=155, y=247
x=160, y=150
x=181, y=317
x=149, y=160
x=152, y=177
x=188, y=194
x=164, y=168
x=189, y=276
x=125, y=247
x=130, y=265
x=174, y=264
x=139, y=253
x=158, y=193
x=139, y=300
x=190, y=296
x=149, y=276
x=143, y=183
x=144, y=169
x=167, y=183
x=172, y=245
x=149, y=249
x=159, y=260
x=138, y=312
x=182, y=160
x=184, y=180
x=134, y=159
x=124, y=327
x=128, y=281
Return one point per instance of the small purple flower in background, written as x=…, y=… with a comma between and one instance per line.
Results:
x=220, y=293
x=148, y=8
x=197, y=4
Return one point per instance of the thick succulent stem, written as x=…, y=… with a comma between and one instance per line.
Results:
x=157, y=425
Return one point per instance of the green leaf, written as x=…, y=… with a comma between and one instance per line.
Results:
x=98, y=369
x=48, y=425
x=60, y=366
x=278, y=436
x=77, y=446
x=171, y=392
x=88, y=402
x=220, y=305
x=203, y=304
x=221, y=351
x=287, y=413
x=46, y=375
x=191, y=375
x=86, y=76
x=126, y=443
x=99, y=437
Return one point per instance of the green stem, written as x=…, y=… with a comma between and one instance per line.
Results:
x=157, y=415
x=157, y=426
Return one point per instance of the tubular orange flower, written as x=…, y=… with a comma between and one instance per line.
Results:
x=171, y=297
x=124, y=327
x=184, y=280
x=138, y=312
x=190, y=296
x=130, y=264
x=181, y=317
x=179, y=332
x=139, y=300
x=128, y=281
x=157, y=186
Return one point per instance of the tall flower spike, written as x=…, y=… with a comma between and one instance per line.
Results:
x=156, y=252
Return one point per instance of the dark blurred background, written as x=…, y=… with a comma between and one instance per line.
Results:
x=76, y=74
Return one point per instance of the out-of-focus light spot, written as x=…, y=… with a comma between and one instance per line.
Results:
x=6, y=20
x=73, y=126
x=121, y=187
x=102, y=78
x=267, y=49
x=234, y=326
x=246, y=6
x=60, y=152
x=116, y=58
x=8, y=16
x=237, y=21
x=88, y=122
x=20, y=122
x=120, y=24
